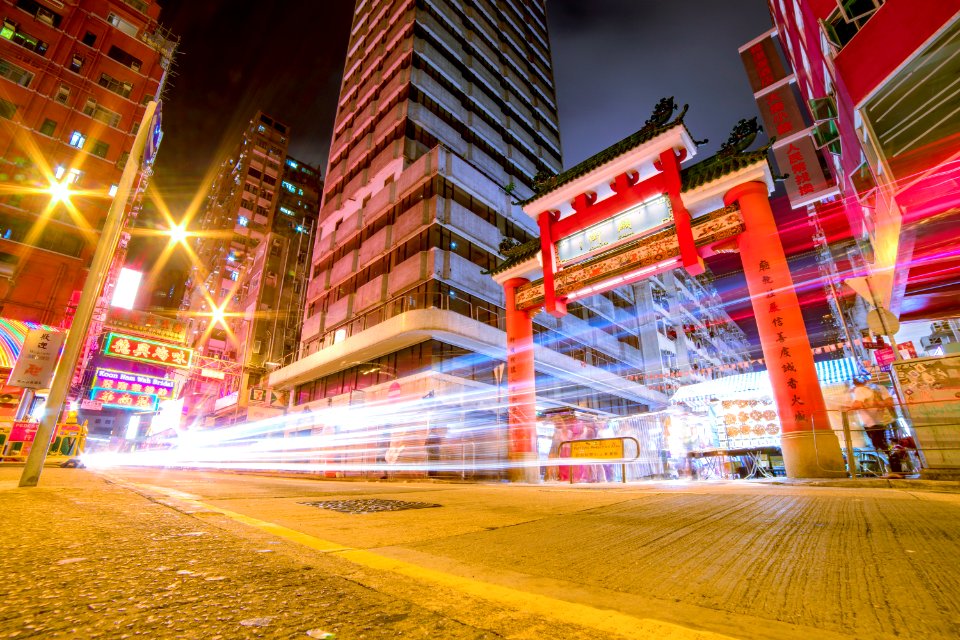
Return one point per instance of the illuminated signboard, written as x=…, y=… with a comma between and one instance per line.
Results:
x=616, y=230
x=138, y=383
x=120, y=345
x=125, y=399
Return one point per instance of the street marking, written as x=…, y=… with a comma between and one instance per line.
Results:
x=605, y=620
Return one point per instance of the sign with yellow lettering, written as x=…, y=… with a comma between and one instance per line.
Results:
x=607, y=448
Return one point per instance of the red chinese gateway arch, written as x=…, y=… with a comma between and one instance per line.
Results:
x=630, y=212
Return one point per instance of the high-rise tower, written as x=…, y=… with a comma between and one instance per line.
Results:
x=447, y=115
x=252, y=248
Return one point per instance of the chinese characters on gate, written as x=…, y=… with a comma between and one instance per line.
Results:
x=783, y=358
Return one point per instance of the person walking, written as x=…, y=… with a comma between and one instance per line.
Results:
x=873, y=408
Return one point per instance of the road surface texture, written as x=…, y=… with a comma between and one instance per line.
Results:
x=181, y=554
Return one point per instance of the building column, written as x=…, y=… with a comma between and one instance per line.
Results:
x=521, y=390
x=647, y=331
x=810, y=447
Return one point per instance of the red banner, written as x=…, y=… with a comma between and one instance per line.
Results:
x=806, y=182
x=763, y=64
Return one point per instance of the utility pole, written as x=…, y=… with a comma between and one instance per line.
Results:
x=92, y=287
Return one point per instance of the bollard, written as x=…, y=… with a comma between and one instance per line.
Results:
x=848, y=444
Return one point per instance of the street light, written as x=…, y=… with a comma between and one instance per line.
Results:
x=178, y=233
x=99, y=267
x=59, y=192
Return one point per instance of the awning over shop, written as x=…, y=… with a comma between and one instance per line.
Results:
x=12, y=335
x=829, y=372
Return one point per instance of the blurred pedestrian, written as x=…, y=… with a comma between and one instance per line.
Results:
x=873, y=409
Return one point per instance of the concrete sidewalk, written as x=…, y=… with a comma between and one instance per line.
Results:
x=187, y=554
x=84, y=558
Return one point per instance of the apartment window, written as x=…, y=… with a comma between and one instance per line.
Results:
x=139, y=5
x=63, y=94
x=124, y=58
x=112, y=118
x=113, y=190
x=48, y=127
x=12, y=32
x=127, y=27
x=15, y=74
x=89, y=38
x=254, y=173
x=848, y=19
x=42, y=13
x=269, y=180
x=122, y=160
x=243, y=221
x=117, y=86
x=7, y=109
x=100, y=148
x=77, y=140
x=76, y=63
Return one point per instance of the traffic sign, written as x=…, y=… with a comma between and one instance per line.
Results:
x=883, y=322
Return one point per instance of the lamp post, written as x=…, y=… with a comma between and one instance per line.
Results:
x=92, y=287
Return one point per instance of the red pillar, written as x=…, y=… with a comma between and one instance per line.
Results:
x=670, y=167
x=548, y=253
x=810, y=447
x=521, y=390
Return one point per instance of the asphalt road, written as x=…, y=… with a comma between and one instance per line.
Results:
x=661, y=560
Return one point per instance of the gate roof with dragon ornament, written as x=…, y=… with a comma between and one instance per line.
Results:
x=702, y=188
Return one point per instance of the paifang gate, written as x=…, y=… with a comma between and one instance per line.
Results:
x=632, y=211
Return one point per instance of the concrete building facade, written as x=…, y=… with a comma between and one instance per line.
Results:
x=447, y=118
x=74, y=79
x=244, y=296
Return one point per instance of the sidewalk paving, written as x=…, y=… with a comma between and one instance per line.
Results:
x=84, y=558
x=787, y=559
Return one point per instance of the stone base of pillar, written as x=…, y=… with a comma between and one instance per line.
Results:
x=812, y=454
x=524, y=468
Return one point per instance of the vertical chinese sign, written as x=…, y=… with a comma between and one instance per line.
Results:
x=38, y=359
x=779, y=102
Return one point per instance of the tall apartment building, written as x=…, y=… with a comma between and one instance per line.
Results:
x=74, y=79
x=253, y=243
x=879, y=80
x=447, y=115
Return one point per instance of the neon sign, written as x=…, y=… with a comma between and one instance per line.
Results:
x=120, y=345
x=138, y=383
x=125, y=399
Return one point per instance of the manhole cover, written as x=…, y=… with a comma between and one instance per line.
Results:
x=369, y=505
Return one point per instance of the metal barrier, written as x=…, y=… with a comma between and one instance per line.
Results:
x=898, y=451
x=599, y=451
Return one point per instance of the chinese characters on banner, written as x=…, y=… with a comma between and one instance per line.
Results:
x=38, y=359
x=125, y=399
x=138, y=383
x=128, y=347
x=797, y=156
x=783, y=357
x=147, y=324
x=763, y=64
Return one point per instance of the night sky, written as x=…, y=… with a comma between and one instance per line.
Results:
x=613, y=60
